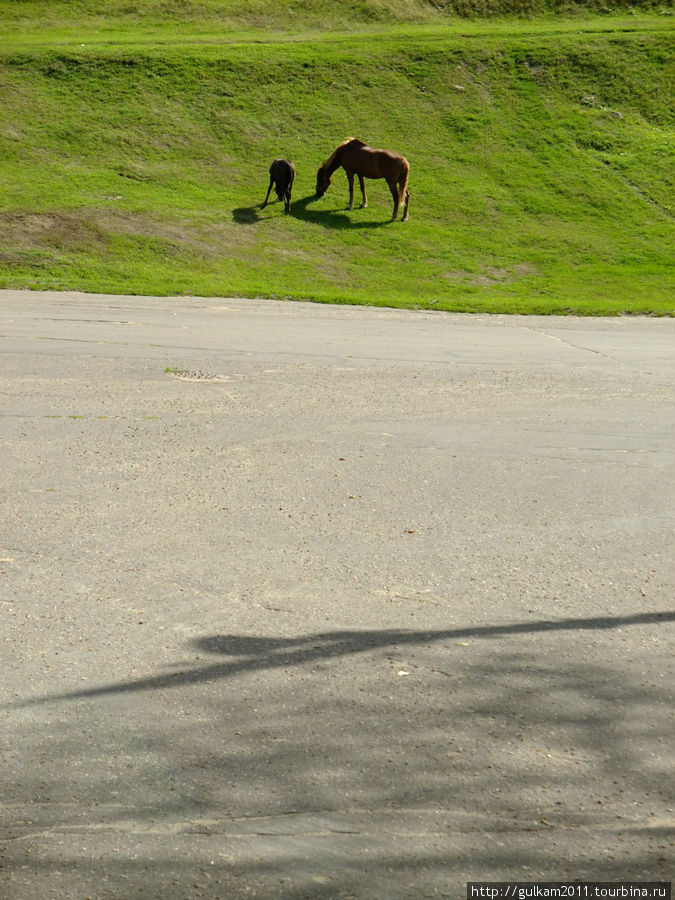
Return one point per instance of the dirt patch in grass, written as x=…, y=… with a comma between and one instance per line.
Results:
x=32, y=232
x=492, y=275
x=29, y=230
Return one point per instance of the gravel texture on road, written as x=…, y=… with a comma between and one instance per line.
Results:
x=303, y=601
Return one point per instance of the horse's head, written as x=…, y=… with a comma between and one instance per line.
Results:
x=322, y=181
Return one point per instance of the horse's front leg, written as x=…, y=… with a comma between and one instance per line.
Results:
x=363, y=192
x=350, y=179
x=269, y=189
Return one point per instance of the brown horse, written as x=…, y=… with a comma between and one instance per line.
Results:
x=357, y=158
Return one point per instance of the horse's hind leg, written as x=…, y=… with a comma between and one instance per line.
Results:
x=363, y=192
x=401, y=195
x=269, y=190
x=395, y=194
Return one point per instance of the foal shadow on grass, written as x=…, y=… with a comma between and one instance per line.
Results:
x=247, y=215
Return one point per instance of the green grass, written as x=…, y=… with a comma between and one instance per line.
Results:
x=134, y=155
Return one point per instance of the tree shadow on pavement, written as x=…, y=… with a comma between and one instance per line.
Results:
x=255, y=653
x=392, y=763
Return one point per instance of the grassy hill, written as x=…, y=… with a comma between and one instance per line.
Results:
x=134, y=151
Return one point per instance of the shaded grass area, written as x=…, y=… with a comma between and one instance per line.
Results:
x=540, y=168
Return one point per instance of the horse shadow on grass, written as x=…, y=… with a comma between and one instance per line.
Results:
x=331, y=218
x=300, y=209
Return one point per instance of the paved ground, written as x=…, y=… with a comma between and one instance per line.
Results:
x=319, y=602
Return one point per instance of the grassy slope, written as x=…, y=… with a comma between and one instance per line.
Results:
x=539, y=157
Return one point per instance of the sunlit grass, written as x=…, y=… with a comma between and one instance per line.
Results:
x=540, y=162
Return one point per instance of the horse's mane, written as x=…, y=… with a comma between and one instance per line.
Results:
x=331, y=158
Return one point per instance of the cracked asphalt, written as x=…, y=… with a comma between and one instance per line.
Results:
x=303, y=601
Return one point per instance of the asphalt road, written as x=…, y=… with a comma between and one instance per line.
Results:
x=331, y=602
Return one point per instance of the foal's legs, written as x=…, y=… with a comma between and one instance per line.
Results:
x=287, y=196
x=269, y=189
